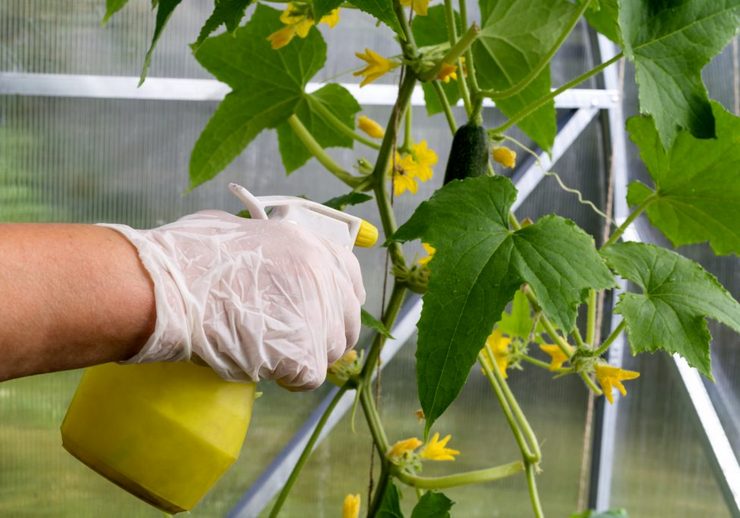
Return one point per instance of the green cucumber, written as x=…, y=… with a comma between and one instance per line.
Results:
x=469, y=153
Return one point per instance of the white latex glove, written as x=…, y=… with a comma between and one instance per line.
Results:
x=254, y=299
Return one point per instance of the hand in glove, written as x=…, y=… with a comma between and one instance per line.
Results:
x=254, y=299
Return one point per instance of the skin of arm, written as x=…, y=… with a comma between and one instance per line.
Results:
x=71, y=296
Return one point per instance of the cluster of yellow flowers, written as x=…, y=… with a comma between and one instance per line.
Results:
x=298, y=20
x=434, y=449
x=498, y=348
x=413, y=166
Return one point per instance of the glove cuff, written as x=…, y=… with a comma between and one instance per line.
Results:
x=171, y=340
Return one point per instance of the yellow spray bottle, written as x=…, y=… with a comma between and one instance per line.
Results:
x=166, y=432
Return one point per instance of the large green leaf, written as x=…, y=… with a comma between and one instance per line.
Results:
x=515, y=39
x=382, y=10
x=390, y=506
x=335, y=99
x=225, y=12
x=603, y=15
x=677, y=294
x=268, y=86
x=432, y=505
x=479, y=264
x=697, y=195
x=432, y=30
x=670, y=42
x=165, y=8
x=112, y=7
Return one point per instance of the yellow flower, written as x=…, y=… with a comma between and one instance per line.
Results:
x=504, y=156
x=447, y=72
x=331, y=19
x=498, y=346
x=609, y=377
x=558, y=357
x=370, y=127
x=424, y=159
x=351, y=506
x=436, y=449
x=377, y=65
x=281, y=38
x=402, y=447
x=420, y=7
x=403, y=177
x=430, y=253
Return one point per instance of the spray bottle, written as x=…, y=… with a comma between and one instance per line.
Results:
x=166, y=432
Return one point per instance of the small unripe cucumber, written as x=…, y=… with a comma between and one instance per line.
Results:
x=469, y=153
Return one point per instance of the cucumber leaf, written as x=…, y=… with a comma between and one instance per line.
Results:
x=111, y=8
x=390, y=506
x=515, y=38
x=165, y=8
x=478, y=266
x=669, y=43
x=677, y=295
x=382, y=10
x=267, y=85
x=225, y=12
x=697, y=185
x=432, y=505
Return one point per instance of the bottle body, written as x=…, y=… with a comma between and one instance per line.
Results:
x=165, y=432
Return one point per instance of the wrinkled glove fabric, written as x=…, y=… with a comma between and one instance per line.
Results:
x=254, y=299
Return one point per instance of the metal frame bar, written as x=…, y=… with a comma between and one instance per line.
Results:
x=272, y=479
x=172, y=89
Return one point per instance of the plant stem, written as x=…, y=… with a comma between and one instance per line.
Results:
x=385, y=471
x=627, y=222
x=544, y=365
x=407, y=36
x=306, y=453
x=505, y=406
x=452, y=37
x=316, y=150
x=590, y=383
x=387, y=216
x=453, y=55
x=407, y=138
x=437, y=85
x=459, y=479
x=373, y=420
x=332, y=119
x=610, y=339
x=534, y=496
x=391, y=312
x=591, y=318
x=536, y=105
x=526, y=80
x=469, y=65
x=549, y=326
x=578, y=338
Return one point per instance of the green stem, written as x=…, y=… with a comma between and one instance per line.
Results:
x=590, y=383
x=505, y=406
x=627, y=222
x=391, y=312
x=316, y=150
x=332, y=119
x=526, y=80
x=536, y=105
x=578, y=338
x=469, y=65
x=459, y=479
x=407, y=36
x=549, y=327
x=387, y=216
x=307, y=450
x=544, y=365
x=373, y=421
x=610, y=339
x=591, y=318
x=452, y=38
x=534, y=496
x=453, y=55
x=437, y=85
x=407, y=138
x=385, y=471
x=521, y=419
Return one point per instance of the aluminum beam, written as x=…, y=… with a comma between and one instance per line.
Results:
x=172, y=89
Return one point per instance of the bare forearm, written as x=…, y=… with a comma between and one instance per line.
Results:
x=70, y=296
